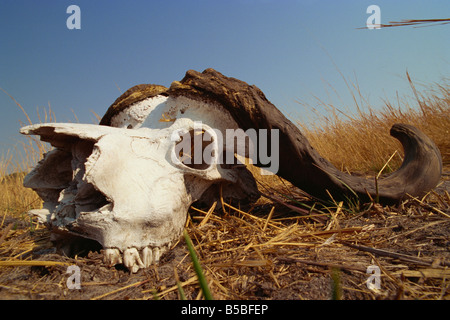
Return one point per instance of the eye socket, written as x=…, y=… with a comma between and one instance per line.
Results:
x=195, y=149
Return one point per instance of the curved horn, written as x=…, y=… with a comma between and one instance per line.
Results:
x=299, y=163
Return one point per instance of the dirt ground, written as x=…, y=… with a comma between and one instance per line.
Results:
x=245, y=255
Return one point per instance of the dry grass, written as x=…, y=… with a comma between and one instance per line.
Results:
x=361, y=142
x=283, y=247
x=15, y=200
x=416, y=23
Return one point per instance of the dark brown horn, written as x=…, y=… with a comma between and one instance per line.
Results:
x=299, y=163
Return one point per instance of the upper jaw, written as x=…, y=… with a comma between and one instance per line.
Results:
x=83, y=202
x=133, y=258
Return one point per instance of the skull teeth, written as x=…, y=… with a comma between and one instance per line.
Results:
x=112, y=257
x=132, y=258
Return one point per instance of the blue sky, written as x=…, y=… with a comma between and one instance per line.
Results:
x=292, y=50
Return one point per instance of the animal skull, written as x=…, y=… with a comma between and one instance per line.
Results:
x=127, y=187
x=125, y=183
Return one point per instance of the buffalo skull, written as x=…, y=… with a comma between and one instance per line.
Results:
x=128, y=183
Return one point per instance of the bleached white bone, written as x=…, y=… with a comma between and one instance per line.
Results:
x=126, y=188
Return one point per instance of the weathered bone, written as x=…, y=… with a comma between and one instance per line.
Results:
x=299, y=162
x=121, y=184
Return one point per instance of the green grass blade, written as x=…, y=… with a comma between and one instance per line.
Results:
x=198, y=269
x=336, y=289
x=181, y=291
x=179, y=286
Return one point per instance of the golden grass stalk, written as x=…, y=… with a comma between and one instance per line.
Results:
x=416, y=23
x=136, y=284
x=361, y=142
x=31, y=263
